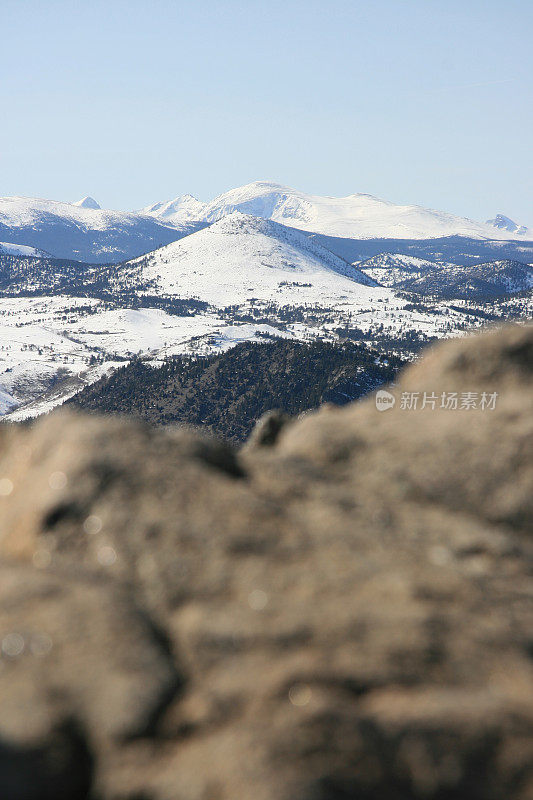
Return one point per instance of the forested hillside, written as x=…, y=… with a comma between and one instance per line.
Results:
x=227, y=393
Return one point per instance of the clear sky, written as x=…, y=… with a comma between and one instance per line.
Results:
x=133, y=101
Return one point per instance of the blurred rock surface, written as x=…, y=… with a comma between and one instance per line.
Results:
x=344, y=613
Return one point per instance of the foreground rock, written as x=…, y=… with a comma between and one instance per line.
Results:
x=344, y=613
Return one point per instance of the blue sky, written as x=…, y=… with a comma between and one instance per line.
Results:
x=416, y=101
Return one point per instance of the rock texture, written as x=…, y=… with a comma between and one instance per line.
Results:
x=340, y=610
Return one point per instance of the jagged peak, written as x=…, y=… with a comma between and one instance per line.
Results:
x=502, y=222
x=88, y=202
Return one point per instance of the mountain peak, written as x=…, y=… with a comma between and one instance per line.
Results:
x=237, y=221
x=506, y=224
x=87, y=202
x=184, y=208
x=274, y=185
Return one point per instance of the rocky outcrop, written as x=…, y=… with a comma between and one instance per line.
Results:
x=340, y=610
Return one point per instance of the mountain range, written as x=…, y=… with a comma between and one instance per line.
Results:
x=217, y=276
x=83, y=231
x=86, y=232
x=354, y=217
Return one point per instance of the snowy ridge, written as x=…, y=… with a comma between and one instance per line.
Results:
x=391, y=269
x=504, y=223
x=82, y=232
x=10, y=249
x=86, y=232
x=497, y=277
x=492, y=278
x=185, y=208
x=356, y=216
x=21, y=211
x=239, y=223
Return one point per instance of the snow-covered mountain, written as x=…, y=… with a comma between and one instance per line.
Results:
x=198, y=277
x=393, y=269
x=10, y=249
x=242, y=278
x=353, y=217
x=242, y=256
x=82, y=231
x=438, y=279
x=185, y=208
x=503, y=223
x=63, y=325
x=493, y=279
x=85, y=232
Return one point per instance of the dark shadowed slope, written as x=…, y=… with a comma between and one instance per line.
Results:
x=227, y=393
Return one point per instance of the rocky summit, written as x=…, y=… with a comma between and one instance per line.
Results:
x=339, y=610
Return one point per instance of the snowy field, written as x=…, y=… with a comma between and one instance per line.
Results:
x=50, y=347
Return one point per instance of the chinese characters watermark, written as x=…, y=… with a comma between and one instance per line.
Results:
x=450, y=401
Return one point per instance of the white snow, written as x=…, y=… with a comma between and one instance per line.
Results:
x=389, y=269
x=58, y=394
x=185, y=208
x=84, y=231
x=46, y=345
x=10, y=249
x=127, y=332
x=243, y=257
x=504, y=223
x=21, y=211
x=359, y=216
x=229, y=335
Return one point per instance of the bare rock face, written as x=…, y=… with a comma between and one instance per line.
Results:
x=344, y=613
